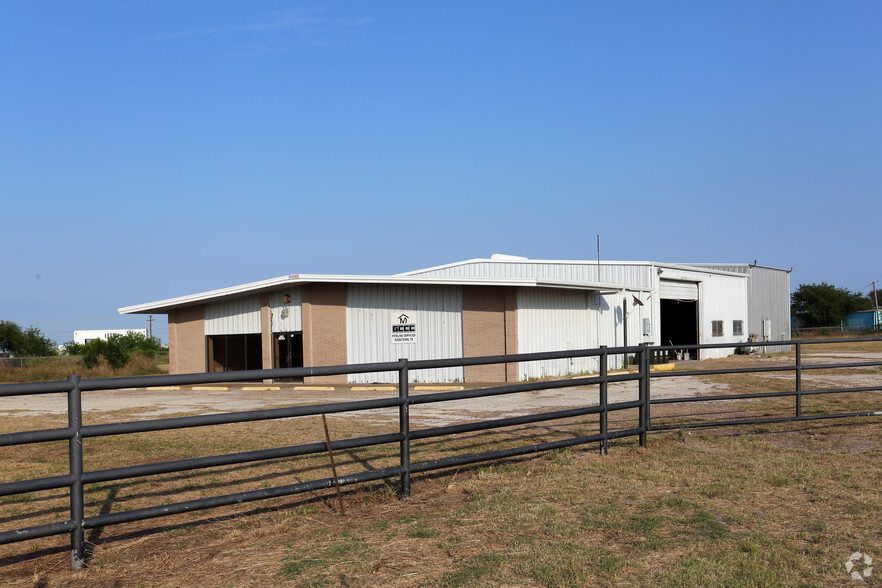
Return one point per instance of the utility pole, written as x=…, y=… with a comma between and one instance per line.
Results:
x=150, y=320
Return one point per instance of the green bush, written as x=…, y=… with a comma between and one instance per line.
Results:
x=117, y=349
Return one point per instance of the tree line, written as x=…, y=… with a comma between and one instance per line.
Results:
x=116, y=349
x=825, y=305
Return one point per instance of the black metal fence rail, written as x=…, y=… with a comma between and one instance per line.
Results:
x=797, y=393
x=76, y=432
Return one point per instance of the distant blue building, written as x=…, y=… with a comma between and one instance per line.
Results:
x=864, y=319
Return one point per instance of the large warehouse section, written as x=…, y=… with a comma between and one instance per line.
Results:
x=496, y=306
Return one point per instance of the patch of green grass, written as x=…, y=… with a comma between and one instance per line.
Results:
x=473, y=570
x=569, y=564
x=293, y=568
x=777, y=480
x=705, y=526
x=423, y=533
x=647, y=527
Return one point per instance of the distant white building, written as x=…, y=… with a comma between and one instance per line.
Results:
x=83, y=337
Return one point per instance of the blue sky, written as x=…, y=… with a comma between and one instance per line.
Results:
x=156, y=149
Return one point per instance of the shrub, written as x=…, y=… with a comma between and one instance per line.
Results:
x=117, y=349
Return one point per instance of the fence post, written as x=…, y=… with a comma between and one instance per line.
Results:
x=75, y=456
x=643, y=389
x=404, y=427
x=648, y=355
x=604, y=367
x=798, y=379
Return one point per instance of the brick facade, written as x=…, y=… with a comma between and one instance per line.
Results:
x=266, y=335
x=186, y=340
x=324, y=328
x=489, y=327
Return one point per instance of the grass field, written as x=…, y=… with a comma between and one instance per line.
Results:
x=776, y=505
x=59, y=367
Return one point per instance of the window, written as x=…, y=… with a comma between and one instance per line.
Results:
x=737, y=328
x=717, y=328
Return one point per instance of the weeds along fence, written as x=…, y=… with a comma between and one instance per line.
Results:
x=76, y=432
x=69, y=362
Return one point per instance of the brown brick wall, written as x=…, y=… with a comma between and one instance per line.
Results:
x=487, y=320
x=186, y=340
x=266, y=334
x=511, y=332
x=324, y=328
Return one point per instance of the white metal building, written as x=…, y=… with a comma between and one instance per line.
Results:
x=83, y=337
x=495, y=306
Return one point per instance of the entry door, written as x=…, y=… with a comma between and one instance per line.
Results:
x=288, y=350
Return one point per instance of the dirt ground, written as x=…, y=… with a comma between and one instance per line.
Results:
x=159, y=402
x=152, y=403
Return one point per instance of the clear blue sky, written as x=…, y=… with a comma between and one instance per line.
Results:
x=157, y=149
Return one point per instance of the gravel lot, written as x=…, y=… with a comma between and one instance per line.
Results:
x=153, y=403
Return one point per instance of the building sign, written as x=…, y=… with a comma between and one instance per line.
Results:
x=403, y=328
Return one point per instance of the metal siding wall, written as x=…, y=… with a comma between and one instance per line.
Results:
x=438, y=314
x=609, y=327
x=769, y=298
x=632, y=275
x=735, y=269
x=294, y=321
x=553, y=320
x=721, y=298
x=233, y=317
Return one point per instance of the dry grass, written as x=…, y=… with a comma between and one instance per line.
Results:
x=776, y=505
x=58, y=368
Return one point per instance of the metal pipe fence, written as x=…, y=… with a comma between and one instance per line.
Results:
x=798, y=368
x=75, y=432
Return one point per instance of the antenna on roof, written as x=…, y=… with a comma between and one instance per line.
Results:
x=598, y=257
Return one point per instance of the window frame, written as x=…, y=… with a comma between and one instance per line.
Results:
x=738, y=328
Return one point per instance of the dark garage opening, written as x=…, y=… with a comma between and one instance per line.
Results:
x=230, y=353
x=679, y=324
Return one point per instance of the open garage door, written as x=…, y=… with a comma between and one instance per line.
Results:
x=231, y=353
x=679, y=315
x=678, y=290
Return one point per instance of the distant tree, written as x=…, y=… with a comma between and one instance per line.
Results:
x=824, y=305
x=117, y=349
x=28, y=342
x=72, y=348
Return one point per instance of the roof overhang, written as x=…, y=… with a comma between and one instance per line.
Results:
x=295, y=280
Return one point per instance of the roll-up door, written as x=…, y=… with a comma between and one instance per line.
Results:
x=678, y=290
